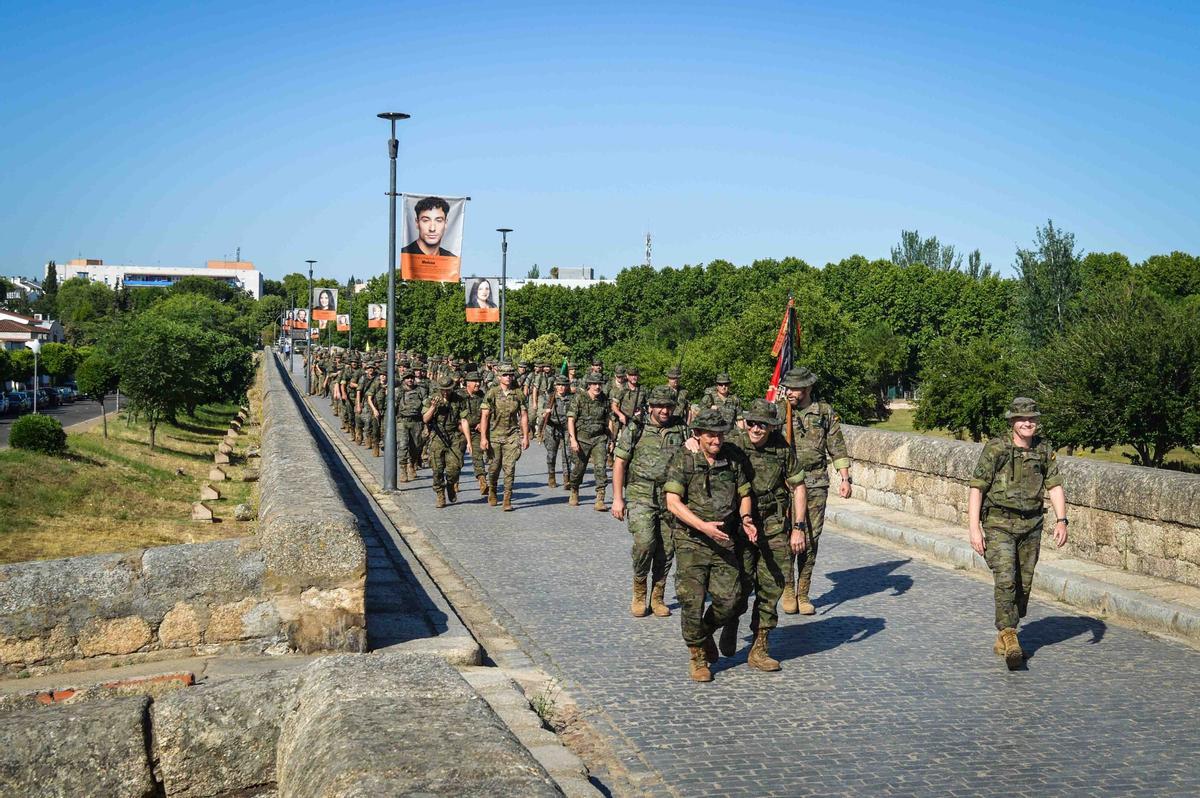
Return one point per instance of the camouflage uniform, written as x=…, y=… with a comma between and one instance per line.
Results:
x=682, y=408
x=556, y=435
x=729, y=405
x=591, y=433
x=505, y=409
x=704, y=567
x=446, y=442
x=1013, y=481
x=409, y=427
x=473, y=412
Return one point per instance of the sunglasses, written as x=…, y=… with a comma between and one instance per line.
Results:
x=756, y=424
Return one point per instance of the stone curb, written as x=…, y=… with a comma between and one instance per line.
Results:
x=1090, y=595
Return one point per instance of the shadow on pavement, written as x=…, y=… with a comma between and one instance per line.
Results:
x=799, y=640
x=856, y=583
x=1057, y=629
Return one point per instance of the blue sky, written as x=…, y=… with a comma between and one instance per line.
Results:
x=174, y=133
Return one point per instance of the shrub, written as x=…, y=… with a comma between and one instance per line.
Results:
x=38, y=433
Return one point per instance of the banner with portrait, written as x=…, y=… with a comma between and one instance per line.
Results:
x=324, y=301
x=482, y=298
x=377, y=315
x=433, y=236
x=343, y=322
x=315, y=334
x=321, y=323
x=300, y=318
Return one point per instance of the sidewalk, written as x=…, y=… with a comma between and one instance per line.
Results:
x=1147, y=602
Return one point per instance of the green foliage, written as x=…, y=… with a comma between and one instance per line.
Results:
x=20, y=364
x=914, y=249
x=82, y=305
x=38, y=433
x=6, y=367
x=1173, y=276
x=59, y=360
x=97, y=376
x=274, y=288
x=966, y=387
x=547, y=347
x=1050, y=277
x=1125, y=375
x=218, y=290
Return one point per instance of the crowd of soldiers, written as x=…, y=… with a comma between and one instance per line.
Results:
x=733, y=496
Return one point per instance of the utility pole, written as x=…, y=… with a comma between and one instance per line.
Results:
x=503, y=231
x=389, y=420
x=308, y=334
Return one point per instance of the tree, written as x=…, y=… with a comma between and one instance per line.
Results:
x=1173, y=276
x=47, y=304
x=965, y=387
x=927, y=251
x=976, y=269
x=219, y=290
x=1125, y=375
x=534, y=272
x=59, y=360
x=6, y=367
x=21, y=364
x=1050, y=280
x=548, y=348
x=883, y=354
x=97, y=377
x=81, y=305
x=553, y=272
x=157, y=367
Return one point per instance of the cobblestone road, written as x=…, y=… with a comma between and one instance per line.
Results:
x=891, y=689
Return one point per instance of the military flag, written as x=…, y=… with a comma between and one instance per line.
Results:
x=782, y=350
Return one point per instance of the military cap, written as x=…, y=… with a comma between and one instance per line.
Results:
x=663, y=395
x=634, y=371
x=406, y=374
x=371, y=364
x=798, y=378
x=506, y=368
x=711, y=421
x=472, y=376
x=597, y=361
x=1022, y=407
x=402, y=364
x=674, y=373
x=593, y=379
x=723, y=378
x=561, y=379
x=491, y=361
x=619, y=370
x=525, y=364
x=571, y=365
x=762, y=412
x=445, y=383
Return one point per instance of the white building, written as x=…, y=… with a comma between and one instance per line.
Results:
x=16, y=330
x=22, y=288
x=239, y=274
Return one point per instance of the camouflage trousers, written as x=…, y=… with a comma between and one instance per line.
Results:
x=478, y=457
x=556, y=443
x=595, y=451
x=504, y=454
x=1013, y=544
x=446, y=459
x=816, y=522
x=765, y=565
x=704, y=568
x=409, y=433
x=370, y=424
x=653, y=546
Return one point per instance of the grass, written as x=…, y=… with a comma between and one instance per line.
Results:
x=115, y=494
x=1180, y=459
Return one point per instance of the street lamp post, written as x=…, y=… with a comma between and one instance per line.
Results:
x=36, y=346
x=308, y=334
x=389, y=419
x=503, y=231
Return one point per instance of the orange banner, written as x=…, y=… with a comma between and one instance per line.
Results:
x=377, y=316
x=433, y=232
x=343, y=322
x=483, y=314
x=431, y=268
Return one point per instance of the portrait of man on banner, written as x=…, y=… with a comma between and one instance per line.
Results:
x=433, y=230
x=343, y=322
x=482, y=299
x=300, y=318
x=377, y=315
x=324, y=302
x=321, y=322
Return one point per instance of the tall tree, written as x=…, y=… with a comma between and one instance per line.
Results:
x=966, y=386
x=1050, y=279
x=914, y=249
x=97, y=378
x=976, y=269
x=47, y=304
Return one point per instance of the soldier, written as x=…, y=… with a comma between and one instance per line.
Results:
x=554, y=423
x=587, y=431
x=777, y=482
x=377, y=406
x=409, y=428
x=708, y=492
x=472, y=399
x=643, y=451
x=445, y=417
x=504, y=426
x=1005, y=512
x=632, y=401
x=817, y=436
x=682, y=408
x=543, y=387
x=358, y=380
x=576, y=382
x=618, y=382
x=370, y=421
x=719, y=397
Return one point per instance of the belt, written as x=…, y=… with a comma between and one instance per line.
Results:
x=1010, y=513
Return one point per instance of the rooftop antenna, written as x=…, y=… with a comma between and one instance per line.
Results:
x=647, y=248
x=239, y=255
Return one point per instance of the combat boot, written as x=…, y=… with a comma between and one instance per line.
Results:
x=403, y=472
x=657, y=605
x=788, y=602
x=412, y=471
x=637, y=607
x=699, y=665
x=375, y=448
x=357, y=435
x=803, y=605
x=441, y=497
x=482, y=486
x=451, y=493
x=600, y=506
x=551, y=482
x=491, y=493
x=574, y=500
x=727, y=643
x=1008, y=645
x=507, y=501
x=760, y=658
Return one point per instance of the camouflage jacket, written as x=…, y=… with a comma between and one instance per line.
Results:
x=647, y=450
x=409, y=402
x=558, y=406
x=445, y=421
x=504, y=410
x=774, y=470
x=472, y=404
x=730, y=406
x=1014, y=478
x=632, y=399
x=591, y=415
x=817, y=434
x=713, y=492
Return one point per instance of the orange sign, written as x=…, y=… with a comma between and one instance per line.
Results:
x=377, y=316
x=324, y=304
x=433, y=228
x=482, y=299
x=343, y=322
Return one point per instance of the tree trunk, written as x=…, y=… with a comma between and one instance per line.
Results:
x=153, y=426
x=104, y=418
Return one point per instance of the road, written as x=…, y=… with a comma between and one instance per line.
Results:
x=67, y=414
x=891, y=689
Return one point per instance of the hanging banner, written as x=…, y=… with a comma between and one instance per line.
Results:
x=300, y=318
x=377, y=316
x=482, y=299
x=433, y=228
x=316, y=334
x=324, y=302
x=321, y=324
x=343, y=322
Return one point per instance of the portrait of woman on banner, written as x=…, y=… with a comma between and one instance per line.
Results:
x=482, y=295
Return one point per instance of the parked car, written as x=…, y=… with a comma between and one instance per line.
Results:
x=67, y=394
x=19, y=402
x=47, y=397
x=3, y=404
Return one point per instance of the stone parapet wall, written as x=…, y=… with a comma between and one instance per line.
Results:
x=297, y=585
x=1144, y=520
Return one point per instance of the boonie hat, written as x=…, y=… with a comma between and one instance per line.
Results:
x=1022, y=407
x=711, y=421
x=798, y=378
x=593, y=379
x=663, y=395
x=762, y=412
x=723, y=379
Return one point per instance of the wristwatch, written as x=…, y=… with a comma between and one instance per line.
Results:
x=1063, y=521
x=800, y=525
